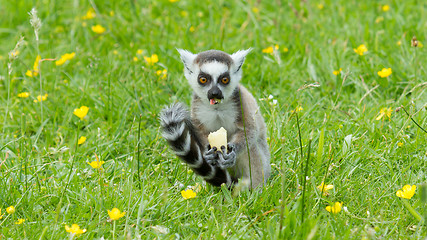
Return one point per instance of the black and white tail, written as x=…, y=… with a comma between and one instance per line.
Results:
x=185, y=142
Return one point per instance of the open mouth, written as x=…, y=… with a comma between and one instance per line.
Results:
x=214, y=101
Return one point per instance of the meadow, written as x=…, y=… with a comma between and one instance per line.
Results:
x=341, y=84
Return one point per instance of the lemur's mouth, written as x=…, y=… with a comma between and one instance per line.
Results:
x=214, y=101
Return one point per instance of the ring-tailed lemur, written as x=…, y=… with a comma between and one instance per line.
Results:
x=218, y=101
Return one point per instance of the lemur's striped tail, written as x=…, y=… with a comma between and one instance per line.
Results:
x=184, y=141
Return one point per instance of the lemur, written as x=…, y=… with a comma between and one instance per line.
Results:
x=218, y=101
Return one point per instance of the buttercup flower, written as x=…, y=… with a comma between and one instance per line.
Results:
x=81, y=112
x=90, y=14
x=325, y=188
x=320, y=6
x=336, y=72
x=361, y=49
x=81, y=140
x=336, y=208
x=139, y=51
x=255, y=10
x=162, y=73
x=96, y=164
x=385, y=72
x=385, y=112
x=20, y=221
x=187, y=194
x=24, y=94
x=41, y=98
x=64, y=58
x=285, y=49
x=270, y=49
x=152, y=60
x=74, y=229
x=385, y=8
x=172, y=1
x=98, y=29
x=297, y=109
x=10, y=210
x=407, y=191
x=35, y=71
x=400, y=144
x=115, y=214
x=399, y=43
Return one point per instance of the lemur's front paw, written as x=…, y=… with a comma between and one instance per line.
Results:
x=211, y=156
x=227, y=158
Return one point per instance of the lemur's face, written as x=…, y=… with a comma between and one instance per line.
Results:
x=213, y=75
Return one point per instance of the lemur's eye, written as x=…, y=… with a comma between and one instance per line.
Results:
x=203, y=80
x=225, y=80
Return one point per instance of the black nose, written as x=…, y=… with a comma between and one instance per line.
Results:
x=215, y=92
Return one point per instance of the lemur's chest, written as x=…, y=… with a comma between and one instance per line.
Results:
x=214, y=118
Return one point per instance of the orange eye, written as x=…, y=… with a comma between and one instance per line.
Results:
x=203, y=80
x=225, y=80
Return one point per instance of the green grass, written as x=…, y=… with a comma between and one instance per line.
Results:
x=45, y=175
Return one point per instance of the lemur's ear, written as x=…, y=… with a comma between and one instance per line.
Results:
x=239, y=58
x=187, y=58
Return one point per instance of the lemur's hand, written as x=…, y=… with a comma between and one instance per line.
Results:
x=211, y=156
x=227, y=158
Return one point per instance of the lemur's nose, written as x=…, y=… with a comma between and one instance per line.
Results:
x=215, y=93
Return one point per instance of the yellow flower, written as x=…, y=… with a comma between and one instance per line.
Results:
x=41, y=98
x=399, y=43
x=81, y=140
x=64, y=58
x=172, y=1
x=385, y=72
x=320, y=6
x=115, y=52
x=297, y=109
x=96, y=164
x=115, y=214
x=112, y=13
x=81, y=112
x=20, y=221
x=152, y=60
x=360, y=49
x=10, y=210
x=268, y=50
x=139, y=51
x=385, y=8
x=400, y=144
x=385, y=112
x=192, y=29
x=162, y=73
x=255, y=10
x=187, y=194
x=90, y=14
x=420, y=44
x=325, y=188
x=406, y=192
x=24, y=94
x=135, y=59
x=98, y=29
x=336, y=72
x=336, y=208
x=285, y=49
x=74, y=229
x=35, y=71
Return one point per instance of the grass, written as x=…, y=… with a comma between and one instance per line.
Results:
x=44, y=173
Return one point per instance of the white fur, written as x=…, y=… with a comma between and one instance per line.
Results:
x=186, y=146
x=216, y=116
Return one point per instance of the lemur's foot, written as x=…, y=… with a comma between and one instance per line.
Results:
x=227, y=158
x=211, y=156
